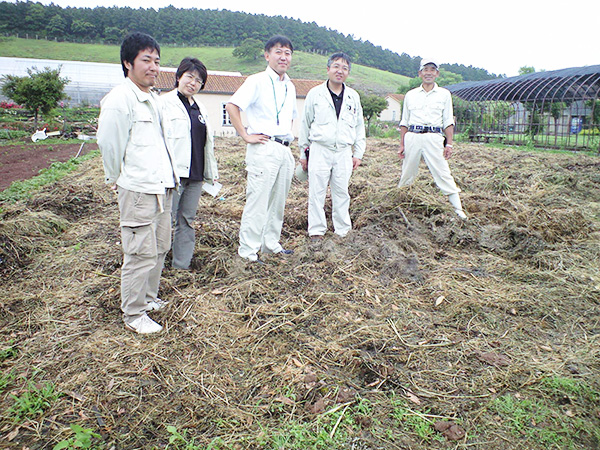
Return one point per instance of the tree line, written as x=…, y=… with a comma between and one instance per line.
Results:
x=203, y=27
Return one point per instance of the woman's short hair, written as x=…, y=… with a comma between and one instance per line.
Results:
x=191, y=65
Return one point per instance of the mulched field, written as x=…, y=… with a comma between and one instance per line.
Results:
x=417, y=331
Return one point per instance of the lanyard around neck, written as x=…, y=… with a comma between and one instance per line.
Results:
x=278, y=109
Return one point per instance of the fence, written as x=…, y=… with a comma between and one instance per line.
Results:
x=559, y=109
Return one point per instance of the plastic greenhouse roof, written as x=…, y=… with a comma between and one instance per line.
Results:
x=577, y=83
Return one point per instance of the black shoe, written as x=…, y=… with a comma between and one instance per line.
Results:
x=285, y=252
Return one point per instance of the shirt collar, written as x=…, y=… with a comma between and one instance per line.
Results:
x=141, y=95
x=275, y=76
x=333, y=93
x=435, y=87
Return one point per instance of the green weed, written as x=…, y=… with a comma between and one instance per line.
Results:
x=415, y=423
x=329, y=430
x=5, y=380
x=20, y=190
x=84, y=439
x=533, y=420
x=9, y=352
x=499, y=182
x=13, y=134
x=33, y=401
x=560, y=386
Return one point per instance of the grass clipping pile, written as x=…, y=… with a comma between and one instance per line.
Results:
x=417, y=330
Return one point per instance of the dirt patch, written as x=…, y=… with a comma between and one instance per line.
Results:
x=23, y=161
x=417, y=331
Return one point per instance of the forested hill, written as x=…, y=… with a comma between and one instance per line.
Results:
x=202, y=27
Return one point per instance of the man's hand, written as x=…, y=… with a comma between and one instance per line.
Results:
x=355, y=162
x=256, y=138
x=304, y=164
x=401, y=151
x=447, y=152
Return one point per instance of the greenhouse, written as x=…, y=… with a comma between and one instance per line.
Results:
x=88, y=81
x=558, y=109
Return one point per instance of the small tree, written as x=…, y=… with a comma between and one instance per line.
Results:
x=372, y=106
x=556, y=111
x=412, y=83
x=40, y=91
x=113, y=35
x=249, y=49
x=56, y=27
x=526, y=70
x=447, y=78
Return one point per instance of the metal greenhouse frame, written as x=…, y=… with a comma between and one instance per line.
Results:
x=556, y=109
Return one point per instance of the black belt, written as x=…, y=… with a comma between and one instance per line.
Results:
x=281, y=141
x=424, y=129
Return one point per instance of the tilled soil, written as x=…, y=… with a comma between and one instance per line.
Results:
x=23, y=161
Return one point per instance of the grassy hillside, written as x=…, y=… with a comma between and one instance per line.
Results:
x=305, y=65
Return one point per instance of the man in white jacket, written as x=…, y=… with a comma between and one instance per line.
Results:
x=332, y=135
x=138, y=165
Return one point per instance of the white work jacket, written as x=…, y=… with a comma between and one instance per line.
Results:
x=134, y=153
x=320, y=123
x=177, y=129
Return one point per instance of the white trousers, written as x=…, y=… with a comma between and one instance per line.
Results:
x=270, y=169
x=430, y=146
x=333, y=168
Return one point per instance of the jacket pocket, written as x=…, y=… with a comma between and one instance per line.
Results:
x=143, y=130
x=177, y=128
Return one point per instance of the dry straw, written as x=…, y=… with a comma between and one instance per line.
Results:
x=444, y=314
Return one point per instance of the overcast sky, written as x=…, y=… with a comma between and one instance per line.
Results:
x=499, y=36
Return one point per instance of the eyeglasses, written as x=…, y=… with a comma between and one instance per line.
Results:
x=191, y=77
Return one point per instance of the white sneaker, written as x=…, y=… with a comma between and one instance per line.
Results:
x=144, y=325
x=460, y=213
x=157, y=305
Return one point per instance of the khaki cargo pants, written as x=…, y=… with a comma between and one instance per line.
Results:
x=146, y=239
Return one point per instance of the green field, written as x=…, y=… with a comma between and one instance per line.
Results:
x=304, y=65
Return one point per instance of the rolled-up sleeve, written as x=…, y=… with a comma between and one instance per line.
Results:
x=448, y=116
x=405, y=112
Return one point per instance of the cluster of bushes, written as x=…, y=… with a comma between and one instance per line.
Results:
x=379, y=129
x=590, y=132
x=16, y=121
x=9, y=106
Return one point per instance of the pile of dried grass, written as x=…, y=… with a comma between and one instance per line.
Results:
x=445, y=314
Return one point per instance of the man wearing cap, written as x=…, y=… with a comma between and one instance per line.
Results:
x=427, y=130
x=269, y=100
x=333, y=129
